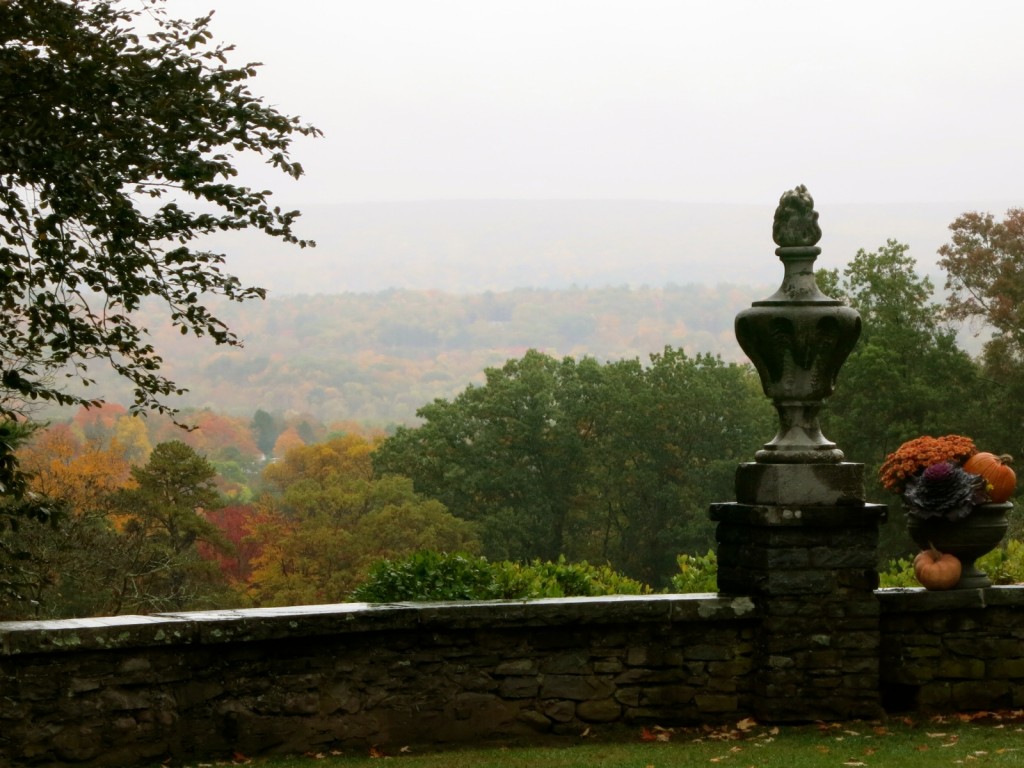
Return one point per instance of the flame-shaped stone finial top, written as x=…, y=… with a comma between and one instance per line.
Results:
x=796, y=221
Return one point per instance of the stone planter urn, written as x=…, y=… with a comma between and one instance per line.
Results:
x=968, y=538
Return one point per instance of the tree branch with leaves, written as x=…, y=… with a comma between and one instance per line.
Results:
x=117, y=156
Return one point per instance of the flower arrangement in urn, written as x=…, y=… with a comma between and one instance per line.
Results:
x=942, y=481
x=946, y=477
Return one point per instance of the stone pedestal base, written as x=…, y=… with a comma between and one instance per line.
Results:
x=811, y=571
x=803, y=484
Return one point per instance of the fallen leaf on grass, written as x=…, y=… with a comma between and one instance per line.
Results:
x=854, y=762
x=657, y=733
x=746, y=724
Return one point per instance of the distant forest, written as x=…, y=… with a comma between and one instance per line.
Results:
x=376, y=358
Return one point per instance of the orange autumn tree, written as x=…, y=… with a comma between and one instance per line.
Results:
x=74, y=558
x=326, y=519
x=78, y=474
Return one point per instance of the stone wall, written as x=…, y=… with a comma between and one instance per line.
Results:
x=123, y=690
x=955, y=651
x=132, y=689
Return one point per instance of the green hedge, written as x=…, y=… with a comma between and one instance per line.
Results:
x=428, y=576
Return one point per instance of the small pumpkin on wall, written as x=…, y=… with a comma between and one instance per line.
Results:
x=1000, y=479
x=937, y=570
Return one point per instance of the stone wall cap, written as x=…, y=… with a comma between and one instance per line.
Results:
x=903, y=599
x=856, y=515
x=257, y=624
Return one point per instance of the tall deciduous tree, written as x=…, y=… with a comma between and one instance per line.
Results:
x=328, y=519
x=984, y=264
x=612, y=462
x=117, y=154
x=906, y=377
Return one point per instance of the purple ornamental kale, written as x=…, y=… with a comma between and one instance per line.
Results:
x=943, y=490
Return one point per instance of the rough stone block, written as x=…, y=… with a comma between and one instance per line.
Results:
x=575, y=687
x=716, y=703
x=572, y=664
x=667, y=695
x=978, y=695
x=560, y=711
x=961, y=668
x=1007, y=669
x=599, y=711
x=519, y=687
x=517, y=667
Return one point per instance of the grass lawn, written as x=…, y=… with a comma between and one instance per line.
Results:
x=970, y=740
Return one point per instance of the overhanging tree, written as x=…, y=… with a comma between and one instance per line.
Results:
x=117, y=155
x=984, y=264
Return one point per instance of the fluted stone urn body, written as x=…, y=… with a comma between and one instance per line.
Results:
x=798, y=338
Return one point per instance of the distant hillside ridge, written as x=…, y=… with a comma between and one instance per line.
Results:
x=474, y=246
x=378, y=357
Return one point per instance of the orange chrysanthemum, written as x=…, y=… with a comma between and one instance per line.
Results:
x=915, y=455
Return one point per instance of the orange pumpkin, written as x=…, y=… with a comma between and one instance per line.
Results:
x=1000, y=480
x=937, y=570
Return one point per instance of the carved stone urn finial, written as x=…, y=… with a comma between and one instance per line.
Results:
x=798, y=338
x=796, y=221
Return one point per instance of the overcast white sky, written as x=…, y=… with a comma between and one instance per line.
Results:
x=710, y=101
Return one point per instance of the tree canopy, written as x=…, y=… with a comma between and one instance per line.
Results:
x=611, y=462
x=906, y=376
x=984, y=263
x=117, y=155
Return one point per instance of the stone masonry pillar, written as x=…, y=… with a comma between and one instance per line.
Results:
x=800, y=539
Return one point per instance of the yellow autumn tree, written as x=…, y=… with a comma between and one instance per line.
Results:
x=77, y=474
x=132, y=436
x=327, y=519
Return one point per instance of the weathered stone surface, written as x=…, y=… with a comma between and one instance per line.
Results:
x=800, y=484
x=575, y=687
x=517, y=667
x=599, y=711
x=560, y=711
x=519, y=687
